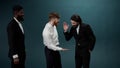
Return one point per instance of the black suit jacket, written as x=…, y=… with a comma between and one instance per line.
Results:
x=15, y=39
x=85, y=40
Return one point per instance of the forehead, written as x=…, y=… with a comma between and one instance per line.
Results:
x=21, y=11
x=73, y=21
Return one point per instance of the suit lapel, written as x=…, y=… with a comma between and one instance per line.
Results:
x=18, y=27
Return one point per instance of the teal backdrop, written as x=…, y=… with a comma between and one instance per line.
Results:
x=102, y=15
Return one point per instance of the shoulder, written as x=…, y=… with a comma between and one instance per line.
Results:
x=85, y=25
x=48, y=25
x=12, y=23
x=46, y=28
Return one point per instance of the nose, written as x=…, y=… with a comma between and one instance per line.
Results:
x=73, y=23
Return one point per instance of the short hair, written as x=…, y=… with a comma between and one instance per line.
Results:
x=17, y=8
x=76, y=18
x=54, y=15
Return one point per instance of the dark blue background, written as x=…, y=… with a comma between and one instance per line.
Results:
x=102, y=15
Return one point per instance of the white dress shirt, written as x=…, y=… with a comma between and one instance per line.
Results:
x=50, y=37
x=78, y=29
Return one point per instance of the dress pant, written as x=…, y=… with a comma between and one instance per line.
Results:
x=53, y=58
x=21, y=62
x=82, y=60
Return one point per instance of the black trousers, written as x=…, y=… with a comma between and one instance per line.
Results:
x=21, y=62
x=82, y=60
x=53, y=58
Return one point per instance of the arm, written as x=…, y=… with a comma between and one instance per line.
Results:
x=92, y=38
x=68, y=35
x=12, y=39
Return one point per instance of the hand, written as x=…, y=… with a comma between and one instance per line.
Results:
x=16, y=60
x=64, y=49
x=65, y=26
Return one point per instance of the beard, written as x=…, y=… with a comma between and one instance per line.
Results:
x=56, y=24
x=75, y=26
x=20, y=18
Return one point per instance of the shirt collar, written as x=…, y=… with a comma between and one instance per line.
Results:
x=16, y=20
x=78, y=27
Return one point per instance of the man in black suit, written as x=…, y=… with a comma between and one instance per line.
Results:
x=16, y=39
x=84, y=38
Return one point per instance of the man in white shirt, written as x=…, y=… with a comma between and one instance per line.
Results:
x=16, y=39
x=51, y=42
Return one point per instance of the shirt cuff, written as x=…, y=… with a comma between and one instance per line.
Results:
x=15, y=56
x=59, y=48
